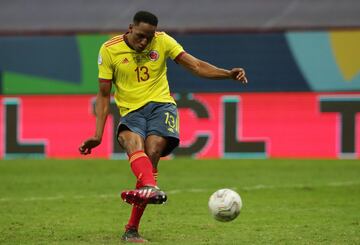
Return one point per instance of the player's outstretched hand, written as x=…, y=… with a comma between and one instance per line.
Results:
x=88, y=144
x=238, y=74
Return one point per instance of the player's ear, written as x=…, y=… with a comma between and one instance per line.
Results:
x=131, y=27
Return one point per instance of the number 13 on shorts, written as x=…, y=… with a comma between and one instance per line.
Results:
x=172, y=122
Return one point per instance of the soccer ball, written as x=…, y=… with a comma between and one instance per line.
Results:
x=225, y=205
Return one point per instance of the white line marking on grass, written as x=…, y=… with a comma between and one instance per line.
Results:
x=60, y=197
x=179, y=191
x=43, y=198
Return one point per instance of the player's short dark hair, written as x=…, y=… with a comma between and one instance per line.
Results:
x=146, y=17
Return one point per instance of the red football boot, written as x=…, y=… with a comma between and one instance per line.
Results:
x=144, y=195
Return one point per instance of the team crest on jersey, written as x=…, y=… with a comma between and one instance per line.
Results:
x=154, y=55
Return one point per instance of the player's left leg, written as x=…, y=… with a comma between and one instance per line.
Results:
x=154, y=147
x=162, y=135
x=137, y=211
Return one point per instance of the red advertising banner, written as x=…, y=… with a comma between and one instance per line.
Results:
x=238, y=125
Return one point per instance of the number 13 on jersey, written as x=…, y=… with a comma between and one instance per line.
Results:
x=142, y=73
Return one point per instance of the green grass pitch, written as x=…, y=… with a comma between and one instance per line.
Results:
x=285, y=202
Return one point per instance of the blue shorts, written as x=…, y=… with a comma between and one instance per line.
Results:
x=154, y=119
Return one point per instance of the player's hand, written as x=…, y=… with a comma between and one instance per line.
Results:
x=88, y=144
x=238, y=74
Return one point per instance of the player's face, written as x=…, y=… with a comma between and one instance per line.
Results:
x=141, y=35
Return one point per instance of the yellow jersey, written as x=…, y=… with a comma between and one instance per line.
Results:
x=138, y=77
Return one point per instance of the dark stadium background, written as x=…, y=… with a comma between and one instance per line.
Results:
x=301, y=58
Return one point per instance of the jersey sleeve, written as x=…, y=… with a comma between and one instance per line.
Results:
x=104, y=64
x=172, y=46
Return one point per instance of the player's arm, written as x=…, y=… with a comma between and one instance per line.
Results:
x=207, y=70
x=102, y=109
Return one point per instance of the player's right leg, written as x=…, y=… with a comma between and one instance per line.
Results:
x=130, y=134
x=143, y=196
x=148, y=192
x=162, y=138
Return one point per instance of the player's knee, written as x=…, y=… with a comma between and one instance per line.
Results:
x=153, y=152
x=122, y=141
x=130, y=144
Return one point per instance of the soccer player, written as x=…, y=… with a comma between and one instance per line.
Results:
x=135, y=64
